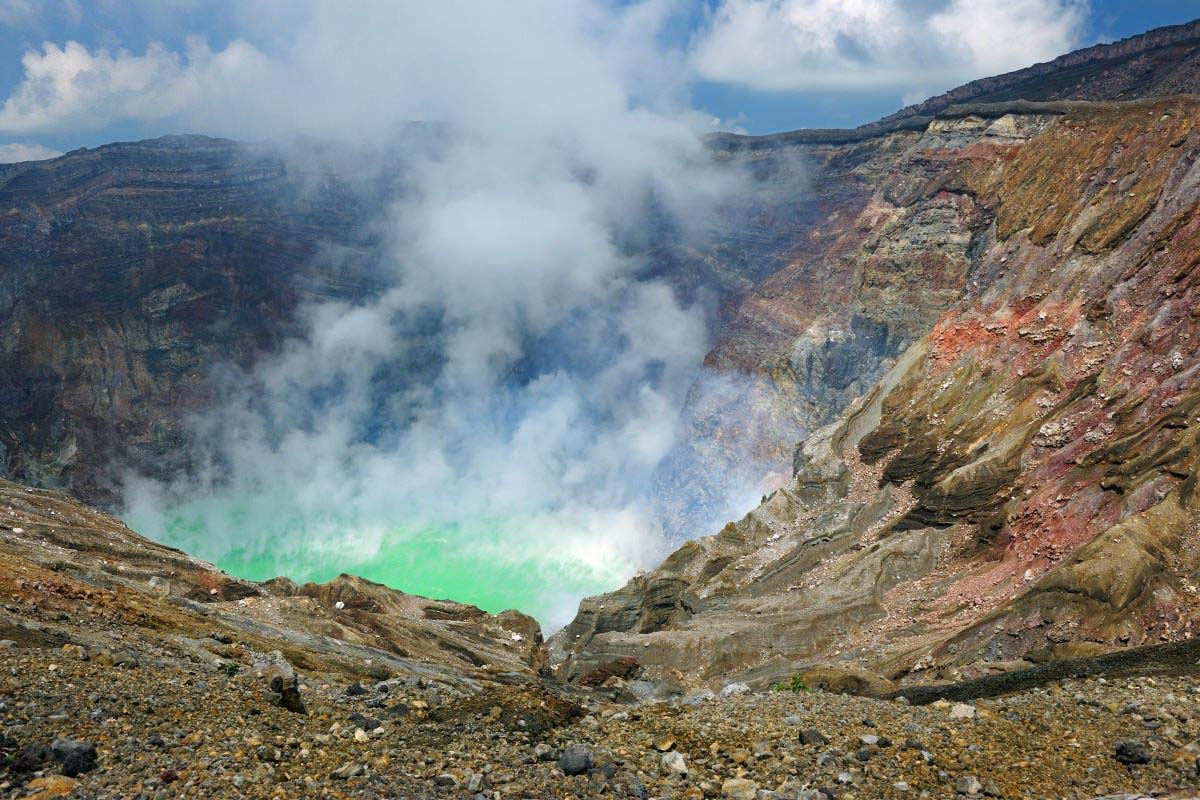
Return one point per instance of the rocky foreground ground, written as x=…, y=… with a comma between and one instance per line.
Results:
x=174, y=729
x=128, y=670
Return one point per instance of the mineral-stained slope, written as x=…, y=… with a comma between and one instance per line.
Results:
x=881, y=256
x=1020, y=484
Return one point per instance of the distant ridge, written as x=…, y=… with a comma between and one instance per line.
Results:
x=1090, y=74
x=1163, y=61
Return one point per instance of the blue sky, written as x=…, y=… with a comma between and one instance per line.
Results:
x=752, y=65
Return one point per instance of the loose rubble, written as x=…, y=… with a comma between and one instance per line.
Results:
x=73, y=728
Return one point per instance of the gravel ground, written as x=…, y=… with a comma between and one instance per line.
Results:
x=178, y=730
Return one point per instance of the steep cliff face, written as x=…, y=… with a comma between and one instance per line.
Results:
x=889, y=252
x=1020, y=483
x=128, y=272
x=884, y=253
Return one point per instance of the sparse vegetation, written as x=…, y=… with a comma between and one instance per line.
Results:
x=794, y=684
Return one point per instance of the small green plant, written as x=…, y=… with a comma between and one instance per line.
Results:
x=230, y=668
x=794, y=684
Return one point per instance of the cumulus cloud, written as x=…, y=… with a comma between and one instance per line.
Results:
x=17, y=12
x=69, y=87
x=795, y=45
x=15, y=152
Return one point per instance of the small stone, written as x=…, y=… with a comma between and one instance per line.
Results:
x=76, y=756
x=968, y=784
x=734, y=689
x=739, y=789
x=1128, y=752
x=845, y=778
x=792, y=719
x=446, y=779
x=673, y=763
x=813, y=736
x=544, y=752
x=282, y=680
x=355, y=690
x=633, y=786
x=962, y=711
x=576, y=759
x=31, y=758
x=51, y=786
x=360, y=735
x=75, y=651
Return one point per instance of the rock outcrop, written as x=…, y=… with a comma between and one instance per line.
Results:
x=1021, y=480
x=888, y=246
x=94, y=584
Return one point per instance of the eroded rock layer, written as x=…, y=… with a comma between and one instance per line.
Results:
x=1019, y=485
x=882, y=254
x=130, y=272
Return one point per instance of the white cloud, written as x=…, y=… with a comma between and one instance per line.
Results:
x=15, y=152
x=17, y=12
x=795, y=45
x=70, y=87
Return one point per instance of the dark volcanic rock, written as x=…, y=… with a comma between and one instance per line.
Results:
x=76, y=757
x=31, y=758
x=576, y=759
x=1130, y=752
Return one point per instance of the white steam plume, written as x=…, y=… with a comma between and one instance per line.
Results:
x=496, y=417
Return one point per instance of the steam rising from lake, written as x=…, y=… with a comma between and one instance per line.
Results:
x=488, y=427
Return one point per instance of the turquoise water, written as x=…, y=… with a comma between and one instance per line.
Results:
x=492, y=563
